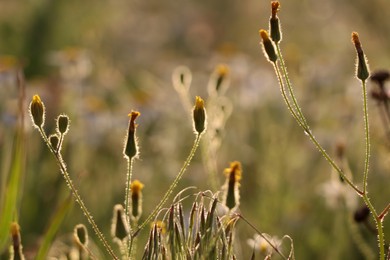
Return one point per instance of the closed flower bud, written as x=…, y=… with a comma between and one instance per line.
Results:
x=136, y=199
x=119, y=227
x=362, y=71
x=37, y=111
x=268, y=46
x=199, y=116
x=63, y=124
x=16, y=241
x=274, y=24
x=54, y=141
x=231, y=188
x=131, y=146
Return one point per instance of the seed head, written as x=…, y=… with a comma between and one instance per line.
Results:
x=37, y=111
x=362, y=71
x=268, y=46
x=199, y=116
x=131, y=146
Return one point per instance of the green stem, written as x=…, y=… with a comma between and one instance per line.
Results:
x=69, y=182
x=127, y=204
x=289, y=86
x=302, y=123
x=173, y=185
x=367, y=137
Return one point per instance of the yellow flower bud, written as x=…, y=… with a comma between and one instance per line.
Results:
x=37, y=111
x=199, y=116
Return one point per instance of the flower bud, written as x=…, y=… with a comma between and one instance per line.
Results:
x=54, y=141
x=274, y=25
x=362, y=71
x=16, y=241
x=199, y=116
x=63, y=124
x=268, y=46
x=232, y=184
x=131, y=146
x=119, y=227
x=136, y=199
x=37, y=111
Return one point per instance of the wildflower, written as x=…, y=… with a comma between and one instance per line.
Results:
x=232, y=184
x=63, y=124
x=336, y=193
x=362, y=71
x=199, y=116
x=37, y=111
x=261, y=244
x=274, y=25
x=131, y=146
x=119, y=227
x=268, y=46
x=136, y=199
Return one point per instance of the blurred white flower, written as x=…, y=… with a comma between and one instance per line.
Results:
x=261, y=244
x=337, y=193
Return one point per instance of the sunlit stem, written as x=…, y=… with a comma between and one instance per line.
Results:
x=127, y=204
x=290, y=89
x=76, y=195
x=298, y=116
x=367, y=137
x=173, y=185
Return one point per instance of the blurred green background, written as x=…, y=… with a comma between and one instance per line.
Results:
x=97, y=60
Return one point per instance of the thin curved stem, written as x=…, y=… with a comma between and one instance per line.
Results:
x=71, y=186
x=173, y=185
x=289, y=86
x=367, y=137
x=302, y=123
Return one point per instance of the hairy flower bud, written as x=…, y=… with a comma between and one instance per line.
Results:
x=199, y=116
x=268, y=46
x=136, y=199
x=37, y=111
x=362, y=71
x=231, y=188
x=131, y=146
x=63, y=124
x=274, y=25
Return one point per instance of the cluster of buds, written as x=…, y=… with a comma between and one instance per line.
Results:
x=275, y=31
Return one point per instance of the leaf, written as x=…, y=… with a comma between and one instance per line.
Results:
x=12, y=191
x=55, y=224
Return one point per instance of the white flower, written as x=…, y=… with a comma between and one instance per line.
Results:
x=262, y=245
